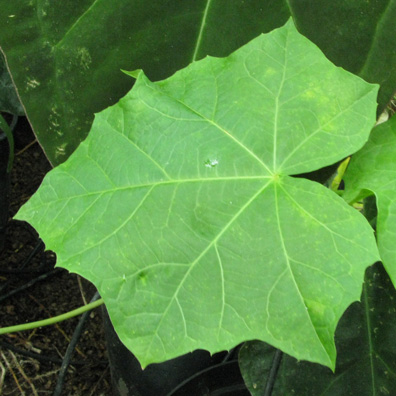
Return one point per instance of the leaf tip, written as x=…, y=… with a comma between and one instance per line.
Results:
x=133, y=73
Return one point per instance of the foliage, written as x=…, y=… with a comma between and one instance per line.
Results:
x=9, y=101
x=65, y=57
x=218, y=238
x=192, y=229
x=366, y=363
x=373, y=171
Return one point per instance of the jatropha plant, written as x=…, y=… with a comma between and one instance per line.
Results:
x=190, y=209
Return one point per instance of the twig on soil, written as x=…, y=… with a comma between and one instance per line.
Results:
x=80, y=285
x=26, y=147
x=40, y=377
x=46, y=358
x=20, y=369
x=2, y=375
x=22, y=393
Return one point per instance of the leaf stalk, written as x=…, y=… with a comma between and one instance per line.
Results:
x=51, y=321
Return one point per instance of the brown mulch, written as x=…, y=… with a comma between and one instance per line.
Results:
x=30, y=360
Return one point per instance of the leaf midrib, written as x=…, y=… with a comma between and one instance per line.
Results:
x=370, y=341
x=76, y=22
x=155, y=184
x=201, y=30
x=277, y=107
x=290, y=270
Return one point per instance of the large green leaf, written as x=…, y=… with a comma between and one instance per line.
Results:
x=191, y=227
x=373, y=171
x=65, y=57
x=366, y=364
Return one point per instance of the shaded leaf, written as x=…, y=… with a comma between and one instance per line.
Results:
x=255, y=361
x=366, y=351
x=191, y=226
x=373, y=171
x=65, y=57
x=9, y=101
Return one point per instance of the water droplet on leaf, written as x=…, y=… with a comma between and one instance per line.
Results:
x=211, y=163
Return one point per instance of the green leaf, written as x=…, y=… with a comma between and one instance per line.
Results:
x=9, y=101
x=365, y=364
x=65, y=57
x=373, y=171
x=356, y=35
x=191, y=226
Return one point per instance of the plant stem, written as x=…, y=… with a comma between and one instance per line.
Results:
x=335, y=184
x=8, y=132
x=276, y=361
x=50, y=321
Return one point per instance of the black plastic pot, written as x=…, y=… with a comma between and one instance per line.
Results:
x=195, y=374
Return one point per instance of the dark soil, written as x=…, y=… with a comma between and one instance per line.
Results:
x=30, y=360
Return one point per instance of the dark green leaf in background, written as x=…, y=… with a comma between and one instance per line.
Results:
x=366, y=364
x=9, y=101
x=373, y=170
x=65, y=56
x=191, y=227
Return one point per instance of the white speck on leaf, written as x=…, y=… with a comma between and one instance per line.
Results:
x=60, y=151
x=211, y=163
x=84, y=57
x=32, y=83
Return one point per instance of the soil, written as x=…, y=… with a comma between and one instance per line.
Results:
x=30, y=360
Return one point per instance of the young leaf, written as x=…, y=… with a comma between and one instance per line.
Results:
x=373, y=171
x=180, y=207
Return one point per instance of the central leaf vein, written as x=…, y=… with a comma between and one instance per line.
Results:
x=276, y=112
x=222, y=289
x=201, y=30
x=289, y=266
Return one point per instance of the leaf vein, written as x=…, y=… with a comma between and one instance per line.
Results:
x=210, y=245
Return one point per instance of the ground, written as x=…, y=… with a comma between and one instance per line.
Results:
x=30, y=361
